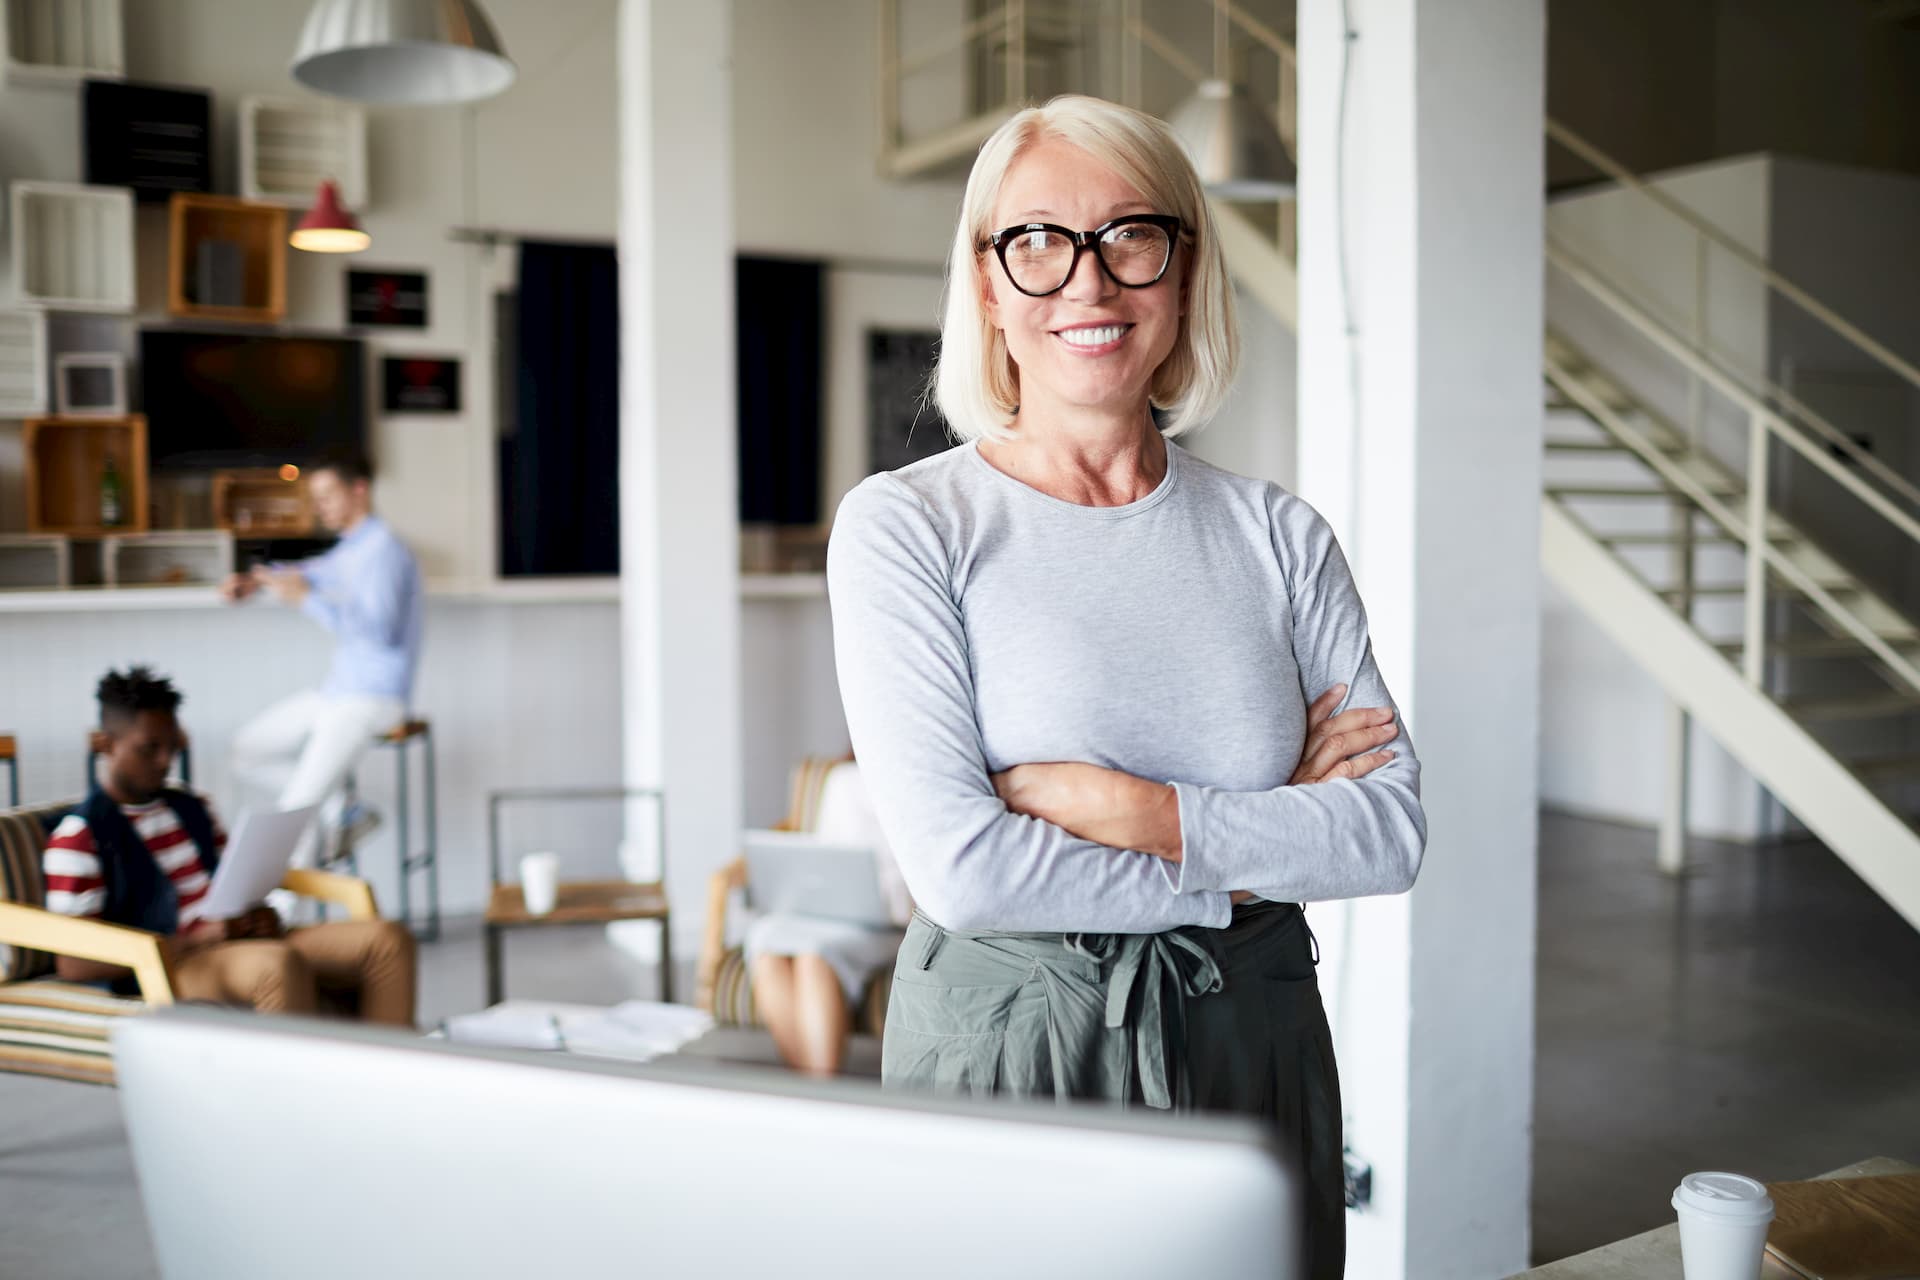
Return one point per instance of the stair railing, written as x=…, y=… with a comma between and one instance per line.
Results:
x=1749, y=526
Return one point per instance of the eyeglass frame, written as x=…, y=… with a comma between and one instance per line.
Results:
x=1084, y=240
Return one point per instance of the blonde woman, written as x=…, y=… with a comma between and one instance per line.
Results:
x=1090, y=677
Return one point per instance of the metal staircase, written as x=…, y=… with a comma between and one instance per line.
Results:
x=1800, y=668
x=1648, y=534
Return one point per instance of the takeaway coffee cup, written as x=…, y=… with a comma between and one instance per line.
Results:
x=1723, y=1225
x=540, y=881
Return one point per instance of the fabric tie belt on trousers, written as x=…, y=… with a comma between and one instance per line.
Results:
x=1148, y=978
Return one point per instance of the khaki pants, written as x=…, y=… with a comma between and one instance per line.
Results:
x=369, y=961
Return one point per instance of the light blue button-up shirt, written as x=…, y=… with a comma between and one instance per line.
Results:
x=366, y=591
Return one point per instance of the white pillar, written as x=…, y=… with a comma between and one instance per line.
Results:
x=1430, y=475
x=679, y=529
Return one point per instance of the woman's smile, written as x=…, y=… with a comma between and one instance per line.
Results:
x=1094, y=339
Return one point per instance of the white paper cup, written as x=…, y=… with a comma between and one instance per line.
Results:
x=1723, y=1225
x=540, y=881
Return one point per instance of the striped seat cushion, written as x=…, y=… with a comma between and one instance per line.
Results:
x=23, y=837
x=60, y=1029
x=733, y=997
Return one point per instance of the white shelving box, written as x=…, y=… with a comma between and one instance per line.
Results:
x=61, y=41
x=29, y=560
x=23, y=364
x=195, y=557
x=73, y=246
x=287, y=149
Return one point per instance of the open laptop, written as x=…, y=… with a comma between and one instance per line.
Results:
x=795, y=874
x=309, y=1151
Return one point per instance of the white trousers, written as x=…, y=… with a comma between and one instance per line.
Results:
x=302, y=747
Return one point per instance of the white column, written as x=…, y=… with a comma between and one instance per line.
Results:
x=679, y=530
x=1424, y=452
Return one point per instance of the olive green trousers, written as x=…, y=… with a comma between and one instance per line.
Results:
x=1189, y=1020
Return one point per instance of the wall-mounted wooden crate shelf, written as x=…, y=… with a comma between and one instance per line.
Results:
x=176, y=558
x=262, y=503
x=287, y=149
x=35, y=560
x=73, y=246
x=258, y=236
x=23, y=364
x=65, y=462
x=61, y=41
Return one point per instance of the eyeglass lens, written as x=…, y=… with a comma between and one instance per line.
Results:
x=1135, y=252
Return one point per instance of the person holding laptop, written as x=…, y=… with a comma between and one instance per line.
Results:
x=140, y=853
x=809, y=970
x=366, y=592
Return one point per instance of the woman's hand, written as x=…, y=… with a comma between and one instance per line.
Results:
x=1342, y=746
x=1105, y=806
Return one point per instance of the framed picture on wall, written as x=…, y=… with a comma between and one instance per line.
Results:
x=90, y=384
x=416, y=384
x=390, y=299
x=903, y=426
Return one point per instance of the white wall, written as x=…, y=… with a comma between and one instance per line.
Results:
x=519, y=695
x=538, y=158
x=543, y=161
x=523, y=693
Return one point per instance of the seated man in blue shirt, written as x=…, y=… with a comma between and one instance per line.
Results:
x=366, y=591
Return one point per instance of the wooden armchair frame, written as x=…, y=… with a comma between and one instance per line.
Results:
x=147, y=954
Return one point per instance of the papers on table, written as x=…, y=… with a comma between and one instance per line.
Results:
x=636, y=1031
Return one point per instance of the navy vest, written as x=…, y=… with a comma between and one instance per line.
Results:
x=138, y=893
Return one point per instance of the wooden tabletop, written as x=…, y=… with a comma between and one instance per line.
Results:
x=7, y=749
x=581, y=902
x=1655, y=1255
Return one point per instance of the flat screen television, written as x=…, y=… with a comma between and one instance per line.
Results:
x=244, y=400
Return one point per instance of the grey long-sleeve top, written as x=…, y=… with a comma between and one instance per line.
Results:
x=980, y=624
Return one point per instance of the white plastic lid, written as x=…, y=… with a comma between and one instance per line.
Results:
x=1730, y=1196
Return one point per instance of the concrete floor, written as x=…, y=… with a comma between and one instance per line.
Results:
x=1762, y=1014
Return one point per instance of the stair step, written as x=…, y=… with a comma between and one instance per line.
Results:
x=1819, y=647
x=1722, y=590
x=1884, y=769
x=1716, y=537
x=1871, y=706
x=1624, y=491
x=1585, y=446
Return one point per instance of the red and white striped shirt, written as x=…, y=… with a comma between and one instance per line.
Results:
x=74, y=883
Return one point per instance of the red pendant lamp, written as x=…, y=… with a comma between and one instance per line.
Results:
x=329, y=227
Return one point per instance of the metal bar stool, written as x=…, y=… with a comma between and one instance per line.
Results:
x=10, y=756
x=97, y=745
x=411, y=861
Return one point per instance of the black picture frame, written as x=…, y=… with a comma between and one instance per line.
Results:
x=902, y=424
x=419, y=384
x=378, y=299
x=155, y=139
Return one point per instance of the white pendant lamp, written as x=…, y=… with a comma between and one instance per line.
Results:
x=1235, y=147
x=402, y=52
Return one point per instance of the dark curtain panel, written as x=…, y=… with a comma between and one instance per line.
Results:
x=560, y=460
x=777, y=309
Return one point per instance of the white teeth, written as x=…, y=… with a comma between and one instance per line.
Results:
x=1094, y=337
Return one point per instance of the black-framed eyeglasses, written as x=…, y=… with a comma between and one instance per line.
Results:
x=1039, y=257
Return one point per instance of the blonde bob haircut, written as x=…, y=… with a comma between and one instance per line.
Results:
x=976, y=383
